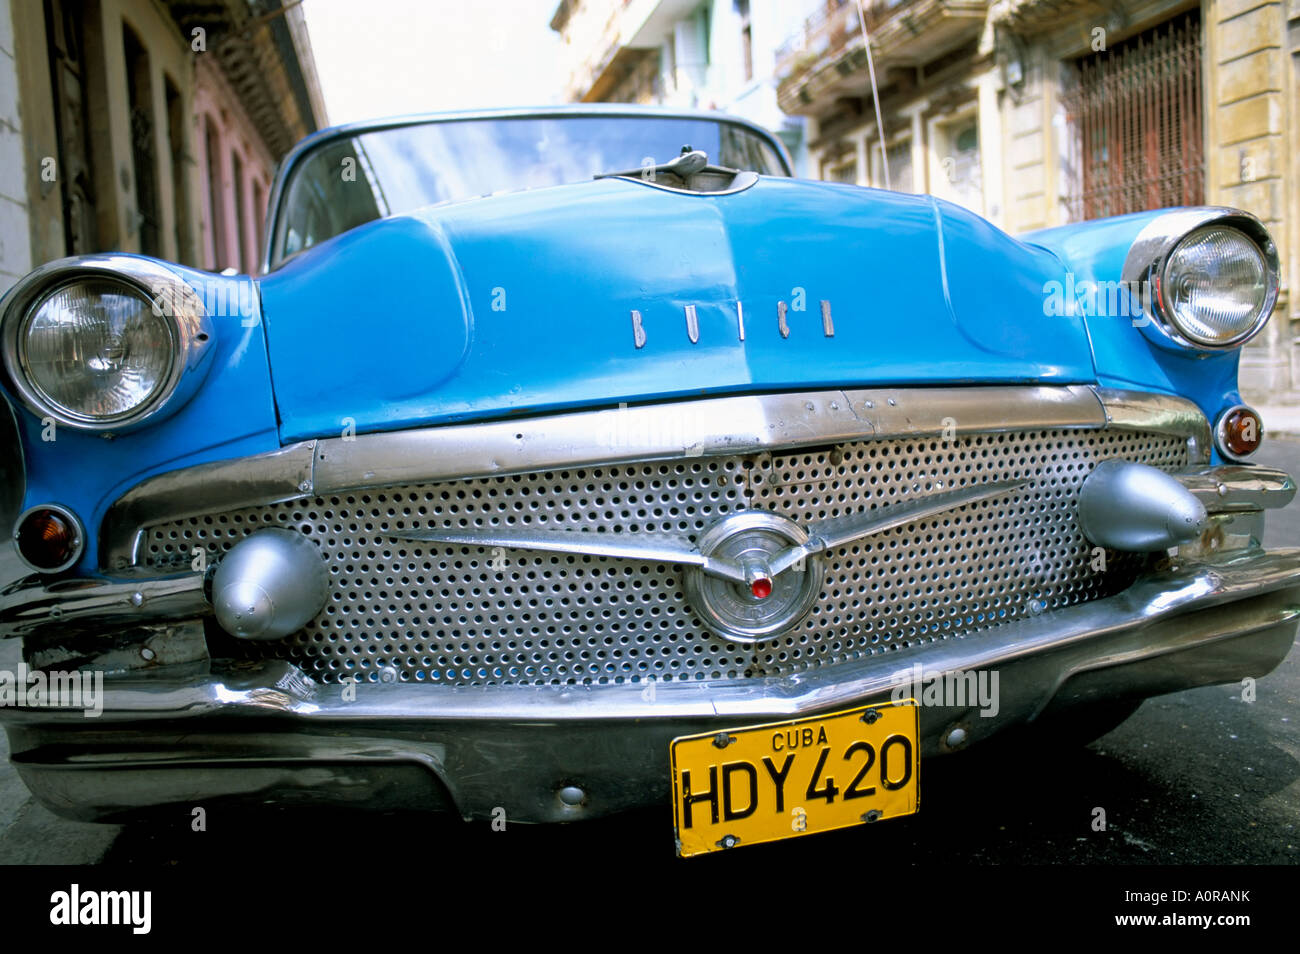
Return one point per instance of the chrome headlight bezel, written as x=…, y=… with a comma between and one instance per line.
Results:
x=181, y=308
x=1148, y=259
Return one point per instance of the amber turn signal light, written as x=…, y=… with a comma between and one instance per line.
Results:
x=49, y=538
x=1239, y=432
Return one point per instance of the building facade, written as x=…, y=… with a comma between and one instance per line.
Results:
x=718, y=54
x=1037, y=113
x=148, y=127
x=1032, y=113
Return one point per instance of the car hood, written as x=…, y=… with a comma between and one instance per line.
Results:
x=525, y=303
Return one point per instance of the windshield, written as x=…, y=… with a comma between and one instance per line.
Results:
x=348, y=182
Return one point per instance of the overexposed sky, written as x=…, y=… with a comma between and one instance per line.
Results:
x=388, y=57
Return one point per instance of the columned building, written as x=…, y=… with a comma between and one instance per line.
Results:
x=1032, y=113
x=1037, y=113
x=694, y=54
x=149, y=127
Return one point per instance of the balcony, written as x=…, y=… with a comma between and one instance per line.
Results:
x=613, y=39
x=825, y=60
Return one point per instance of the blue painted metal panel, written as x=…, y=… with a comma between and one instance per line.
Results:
x=521, y=303
x=231, y=415
x=1125, y=358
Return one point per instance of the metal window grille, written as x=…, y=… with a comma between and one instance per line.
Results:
x=1136, y=110
x=843, y=171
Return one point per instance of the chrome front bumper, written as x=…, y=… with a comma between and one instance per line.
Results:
x=272, y=736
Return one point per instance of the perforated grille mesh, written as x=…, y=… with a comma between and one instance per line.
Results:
x=468, y=616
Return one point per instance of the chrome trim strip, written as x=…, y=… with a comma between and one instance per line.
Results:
x=659, y=547
x=279, y=475
x=1145, y=410
x=1237, y=489
x=836, y=532
x=707, y=427
x=1151, y=601
x=675, y=548
x=32, y=607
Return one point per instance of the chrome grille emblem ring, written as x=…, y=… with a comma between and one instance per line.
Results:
x=769, y=602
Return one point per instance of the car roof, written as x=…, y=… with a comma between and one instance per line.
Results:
x=575, y=109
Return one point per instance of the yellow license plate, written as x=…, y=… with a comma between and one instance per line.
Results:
x=760, y=783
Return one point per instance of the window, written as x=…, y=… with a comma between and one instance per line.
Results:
x=899, y=158
x=1135, y=115
x=241, y=231
x=259, y=219
x=668, y=64
x=746, y=39
x=841, y=170
x=216, y=205
x=76, y=159
x=139, y=94
x=180, y=194
x=955, y=171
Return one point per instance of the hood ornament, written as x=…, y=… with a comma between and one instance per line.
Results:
x=691, y=173
x=689, y=163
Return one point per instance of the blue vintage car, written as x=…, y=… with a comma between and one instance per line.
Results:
x=565, y=461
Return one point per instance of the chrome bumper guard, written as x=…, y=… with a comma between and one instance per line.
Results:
x=272, y=736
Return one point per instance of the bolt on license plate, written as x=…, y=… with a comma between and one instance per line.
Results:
x=764, y=782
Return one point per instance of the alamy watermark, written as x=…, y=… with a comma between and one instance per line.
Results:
x=1102, y=299
x=38, y=689
x=77, y=906
x=952, y=688
x=221, y=298
x=675, y=426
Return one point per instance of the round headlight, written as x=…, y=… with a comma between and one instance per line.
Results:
x=105, y=343
x=1216, y=288
x=95, y=350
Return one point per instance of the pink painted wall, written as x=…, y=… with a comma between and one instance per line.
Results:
x=216, y=107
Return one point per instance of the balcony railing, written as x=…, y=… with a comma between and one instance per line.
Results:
x=825, y=55
x=821, y=30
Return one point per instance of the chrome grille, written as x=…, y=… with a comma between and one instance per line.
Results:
x=466, y=616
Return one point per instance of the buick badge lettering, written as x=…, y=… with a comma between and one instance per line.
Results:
x=638, y=332
x=692, y=316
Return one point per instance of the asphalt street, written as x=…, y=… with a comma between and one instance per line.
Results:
x=1197, y=777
